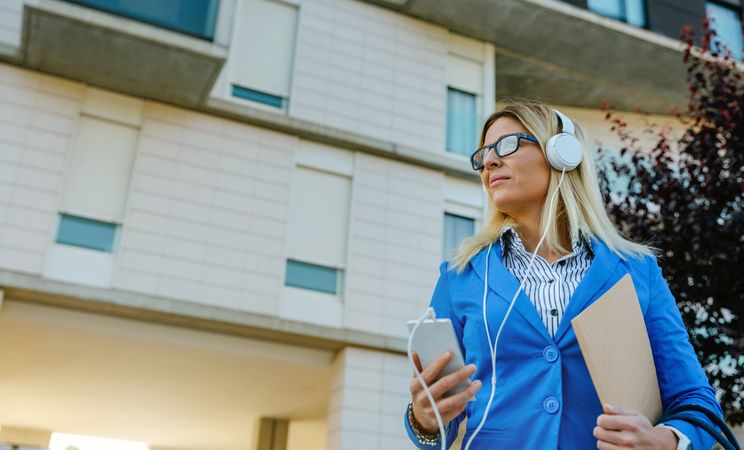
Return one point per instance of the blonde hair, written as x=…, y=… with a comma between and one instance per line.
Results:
x=579, y=204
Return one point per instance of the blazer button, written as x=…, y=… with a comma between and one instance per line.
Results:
x=551, y=405
x=550, y=354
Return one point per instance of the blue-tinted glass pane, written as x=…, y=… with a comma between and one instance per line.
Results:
x=194, y=17
x=461, y=122
x=257, y=96
x=87, y=233
x=609, y=8
x=456, y=228
x=312, y=276
x=727, y=24
x=635, y=12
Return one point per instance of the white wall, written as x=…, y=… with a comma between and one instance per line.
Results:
x=369, y=394
x=369, y=70
x=207, y=210
x=206, y=220
x=38, y=118
x=396, y=243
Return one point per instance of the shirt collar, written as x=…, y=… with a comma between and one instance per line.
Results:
x=510, y=240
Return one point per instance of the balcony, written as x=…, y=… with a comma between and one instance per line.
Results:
x=564, y=54
x=161, y=51
x=193, y=17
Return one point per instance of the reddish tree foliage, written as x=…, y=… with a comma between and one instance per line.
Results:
x=686, y=197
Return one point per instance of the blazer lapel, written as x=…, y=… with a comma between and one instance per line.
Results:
x=505, y=285
x=598, y=279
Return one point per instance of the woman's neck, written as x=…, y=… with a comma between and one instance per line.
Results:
x=529, y=232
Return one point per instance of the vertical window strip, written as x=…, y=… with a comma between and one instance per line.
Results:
x=461, y=122
x=456, y=228
x=728, y=26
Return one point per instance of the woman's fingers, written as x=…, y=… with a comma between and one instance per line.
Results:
x=619, y=438
x=619, y=410
x=622, y=419
x=446, y=383
x=430, y=373
x=417, y=361
x=449, y=407
x=453, y=405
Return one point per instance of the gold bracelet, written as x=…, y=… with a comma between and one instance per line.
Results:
x=422, y=436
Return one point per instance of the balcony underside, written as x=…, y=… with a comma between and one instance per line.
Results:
x=118, y=54
x=563, y=54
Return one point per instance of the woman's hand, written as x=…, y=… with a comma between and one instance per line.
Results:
x=449, y=407
x=620, y=428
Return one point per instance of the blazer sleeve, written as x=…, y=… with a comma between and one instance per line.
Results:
x=681, y=378
x=441, y=301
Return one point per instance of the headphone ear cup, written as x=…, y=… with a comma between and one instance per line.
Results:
x=564, y=151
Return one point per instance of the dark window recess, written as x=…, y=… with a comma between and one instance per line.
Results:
x=668, y=17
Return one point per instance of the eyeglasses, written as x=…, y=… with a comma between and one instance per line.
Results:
x=505, y=146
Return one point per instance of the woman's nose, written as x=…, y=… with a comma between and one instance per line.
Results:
x=491, y=160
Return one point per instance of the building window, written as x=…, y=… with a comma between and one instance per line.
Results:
x=726, y=21
x=630, y=11
x=192, y=17
x=98, y=175
x=86, y=233
x=317, y=230
x=313, y=276
x=456, y=228
x=257, y=96
x=461, y=122
x=262, y=51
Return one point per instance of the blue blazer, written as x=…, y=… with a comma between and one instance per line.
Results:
x=545, y=398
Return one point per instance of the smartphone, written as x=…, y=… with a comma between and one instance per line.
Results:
x=433, y=339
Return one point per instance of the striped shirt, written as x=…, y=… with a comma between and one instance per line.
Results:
x=549, y=286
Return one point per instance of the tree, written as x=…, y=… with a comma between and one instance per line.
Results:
x=685, y=197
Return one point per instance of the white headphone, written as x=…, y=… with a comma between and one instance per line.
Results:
x=563, y=149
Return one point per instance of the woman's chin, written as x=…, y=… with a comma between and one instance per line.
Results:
x=500, y=201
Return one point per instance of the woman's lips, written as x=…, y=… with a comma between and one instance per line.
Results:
x=497, y=181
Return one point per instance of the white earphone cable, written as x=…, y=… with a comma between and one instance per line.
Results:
x=494, y=346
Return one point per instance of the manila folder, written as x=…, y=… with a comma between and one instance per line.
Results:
x=614, y=342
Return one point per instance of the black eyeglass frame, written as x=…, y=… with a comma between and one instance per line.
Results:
x=495, y=147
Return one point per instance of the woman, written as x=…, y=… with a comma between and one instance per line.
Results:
x=544, y=397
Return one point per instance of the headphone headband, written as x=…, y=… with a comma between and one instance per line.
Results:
x=566, y=125
x=564, y=151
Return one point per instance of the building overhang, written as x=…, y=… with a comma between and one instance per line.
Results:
x=33, y=289
x=117, y=53
x=565, y=55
